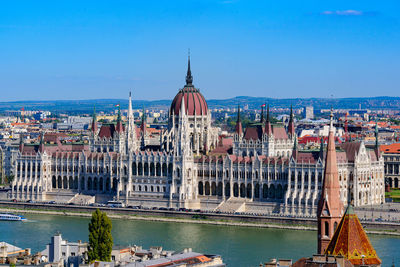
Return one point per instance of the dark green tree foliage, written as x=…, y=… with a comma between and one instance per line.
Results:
x=100, y=238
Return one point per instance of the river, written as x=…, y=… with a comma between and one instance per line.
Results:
x=239, y=246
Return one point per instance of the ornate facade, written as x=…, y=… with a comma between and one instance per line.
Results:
x=261, y=170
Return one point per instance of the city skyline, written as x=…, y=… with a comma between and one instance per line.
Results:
x=56, y=51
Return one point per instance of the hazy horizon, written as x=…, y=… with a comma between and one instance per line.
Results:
x=286, y=49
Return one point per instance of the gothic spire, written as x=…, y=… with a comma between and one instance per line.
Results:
x=377, y=140
x=268, y=128
x=262, y=114
x=94, y=120
x=189, y=77
x=21, y=142
x=238, y=127
x=119, y=113
x=330, y=207
x=41, y=144
x=295, y=151
x=130, y=105
x=143, y=124
x=376, y=135
x=321, y=149
x=119, y=127
x=291, y=123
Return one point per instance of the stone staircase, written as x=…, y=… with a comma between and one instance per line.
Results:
x=82, y=199
x=232, y=205
x=60, y=196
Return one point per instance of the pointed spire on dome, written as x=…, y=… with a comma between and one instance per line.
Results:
x=238, y=127
x=189, y=77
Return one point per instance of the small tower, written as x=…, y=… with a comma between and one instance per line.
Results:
x=330, y=207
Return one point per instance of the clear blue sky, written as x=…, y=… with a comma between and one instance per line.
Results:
x=281, y=49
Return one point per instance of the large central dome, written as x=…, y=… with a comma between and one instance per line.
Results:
x=195, y=103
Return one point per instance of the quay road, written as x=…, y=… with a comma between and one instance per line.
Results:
x=384, y=215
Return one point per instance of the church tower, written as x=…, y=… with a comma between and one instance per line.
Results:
x=330, y=207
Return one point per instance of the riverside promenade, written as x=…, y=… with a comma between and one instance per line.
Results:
x=261, y=221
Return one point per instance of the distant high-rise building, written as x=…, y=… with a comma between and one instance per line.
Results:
x=309, y=113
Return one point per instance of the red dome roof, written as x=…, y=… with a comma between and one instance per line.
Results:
x=194, y=101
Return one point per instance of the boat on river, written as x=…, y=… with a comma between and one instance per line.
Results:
x=11, y=217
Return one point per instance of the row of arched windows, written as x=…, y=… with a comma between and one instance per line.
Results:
x=242, y=190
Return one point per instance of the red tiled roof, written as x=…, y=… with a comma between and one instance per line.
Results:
x=351, y=241
x=253, y=133
x=195, y=103
x=392, y=148
x=351, y=149
x=108, y=130
x=279, y=132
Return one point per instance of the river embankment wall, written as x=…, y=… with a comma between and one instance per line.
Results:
x=278, y=222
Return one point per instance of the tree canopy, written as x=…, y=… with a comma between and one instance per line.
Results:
x=100, y=238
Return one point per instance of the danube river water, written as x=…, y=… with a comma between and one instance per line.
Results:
x=239, y=246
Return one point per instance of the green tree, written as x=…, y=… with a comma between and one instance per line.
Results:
x=100, y=238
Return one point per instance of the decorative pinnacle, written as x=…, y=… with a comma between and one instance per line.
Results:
x=331, y=122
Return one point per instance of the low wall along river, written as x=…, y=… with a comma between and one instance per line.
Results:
x=239, y=246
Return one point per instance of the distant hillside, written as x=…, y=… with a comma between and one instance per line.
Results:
x=86, y=106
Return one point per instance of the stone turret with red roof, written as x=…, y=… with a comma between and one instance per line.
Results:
x=330, y=207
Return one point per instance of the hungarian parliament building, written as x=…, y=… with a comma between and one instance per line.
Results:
x=258, y=169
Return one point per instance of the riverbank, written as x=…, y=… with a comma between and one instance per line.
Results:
x=162, y=219
x=193, y=220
